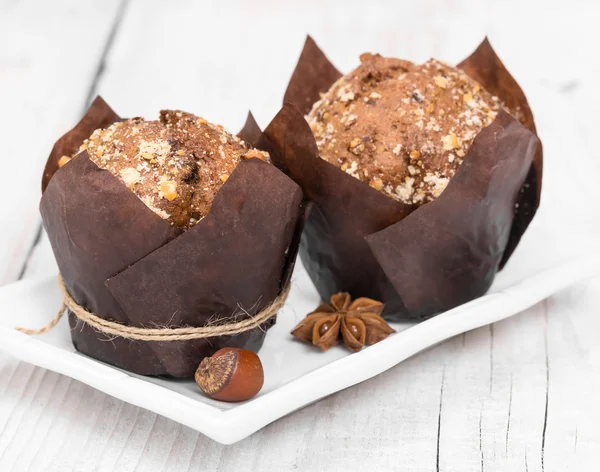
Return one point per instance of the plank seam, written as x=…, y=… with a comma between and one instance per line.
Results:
x=100, y=68
x=545, y=305
x=437, y=461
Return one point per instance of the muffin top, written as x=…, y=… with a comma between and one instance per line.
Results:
x=175, y=165
x=402, y=128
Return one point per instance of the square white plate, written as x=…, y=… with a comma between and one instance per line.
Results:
x=549, y=259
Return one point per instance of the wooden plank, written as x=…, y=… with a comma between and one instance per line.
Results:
x=387, y=422
x=50, y=53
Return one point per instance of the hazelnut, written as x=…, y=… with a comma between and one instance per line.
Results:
x=230, y=375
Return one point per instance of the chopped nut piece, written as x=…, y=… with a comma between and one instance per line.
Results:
x=355, y=142
x=438, y=184
x=224, y=177
x=130, y=176
x=358, y=149
x=415, y=154
x=440, y=81
x=350, y=121
x=468, y=99
x=405, y=190
x=345, y=94
x=148, y=156
x=168, y=190
x=450, y=142
x=63, y=160
x=263, y=156
x=356, y=146
x=376, y=183
x=352, y=170
x=397, y=149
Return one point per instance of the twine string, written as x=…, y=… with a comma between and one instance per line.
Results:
x=159, y=334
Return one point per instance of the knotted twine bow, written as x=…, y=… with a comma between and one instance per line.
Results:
x=159, y=334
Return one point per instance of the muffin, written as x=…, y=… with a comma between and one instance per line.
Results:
x=175, y=165
x=402, y=128
x=421, y=178
x=155, y=224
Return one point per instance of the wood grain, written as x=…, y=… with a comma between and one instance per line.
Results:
x=515, y=396
x=50, y=54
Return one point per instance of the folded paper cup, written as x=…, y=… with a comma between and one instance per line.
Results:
x=125, y=264
x=418, y=261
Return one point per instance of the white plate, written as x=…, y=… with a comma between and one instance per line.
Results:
x=296, y=374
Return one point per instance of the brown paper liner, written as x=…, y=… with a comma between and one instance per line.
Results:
x=422, y=261
x=122, y=262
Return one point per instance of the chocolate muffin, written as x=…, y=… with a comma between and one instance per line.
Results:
x=400, y=127
x=436, y=230
x=157, y=268
x=175, y=165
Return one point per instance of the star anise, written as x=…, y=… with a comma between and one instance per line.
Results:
x=356, y=323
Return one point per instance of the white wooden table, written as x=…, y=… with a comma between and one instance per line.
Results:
x=520, y=395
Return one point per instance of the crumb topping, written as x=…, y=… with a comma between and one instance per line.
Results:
x=175, y=165
x=402, y=128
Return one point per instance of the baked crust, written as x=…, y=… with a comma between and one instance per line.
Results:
x=175, y=165
x=400, y=127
